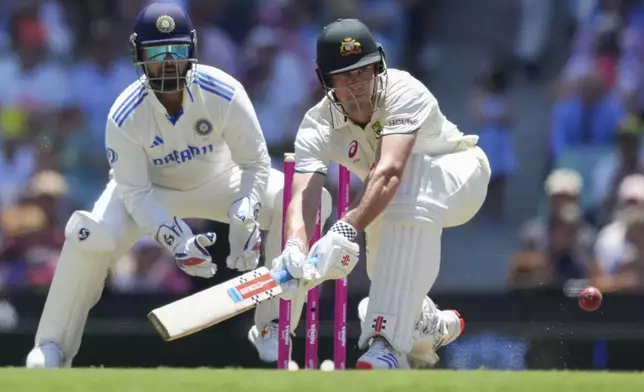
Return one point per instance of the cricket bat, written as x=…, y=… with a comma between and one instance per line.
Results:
x=216, y=304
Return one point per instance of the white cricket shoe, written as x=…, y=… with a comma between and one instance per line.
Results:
x=434, y=329
x=381, y=356
x=265, y=340
x=46, y=356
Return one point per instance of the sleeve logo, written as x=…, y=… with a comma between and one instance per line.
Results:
x=112, y=156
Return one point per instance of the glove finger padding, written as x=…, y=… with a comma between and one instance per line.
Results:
x=244, y=245
x=206, y=240
x=336, y=256
x=207, y=270
x=194, y=259
x=245, y=237
x=292, y=259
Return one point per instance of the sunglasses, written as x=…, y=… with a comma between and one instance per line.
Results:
x=161, y=53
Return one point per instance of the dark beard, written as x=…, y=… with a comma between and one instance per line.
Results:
x=168, y=84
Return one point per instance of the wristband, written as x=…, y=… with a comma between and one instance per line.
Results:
x=345, y=229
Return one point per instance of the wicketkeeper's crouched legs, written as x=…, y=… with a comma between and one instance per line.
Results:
x=76, y=287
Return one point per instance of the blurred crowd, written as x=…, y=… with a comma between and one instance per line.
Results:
x=64, y=63
x=590, y=228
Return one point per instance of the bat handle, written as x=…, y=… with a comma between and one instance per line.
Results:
x=284, y=276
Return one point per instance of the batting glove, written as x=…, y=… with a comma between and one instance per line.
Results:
x=292, y=260
x=336, y=254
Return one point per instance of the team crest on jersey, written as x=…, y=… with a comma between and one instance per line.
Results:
x=203, y=127
x=165, y=24
x=377, y=129
x=350, y=46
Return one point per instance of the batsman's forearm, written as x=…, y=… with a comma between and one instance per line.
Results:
x=301, y=218
x=379, y=191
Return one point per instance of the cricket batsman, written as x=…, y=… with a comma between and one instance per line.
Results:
x=182, y=141
x=420, y=173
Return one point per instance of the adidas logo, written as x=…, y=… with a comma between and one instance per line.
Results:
x=157, y=142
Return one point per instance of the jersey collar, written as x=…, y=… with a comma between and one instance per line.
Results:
x=339, y=119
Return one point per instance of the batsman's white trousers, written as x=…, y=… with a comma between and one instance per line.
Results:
x=458, y=185
x=403, y=243
x=81, y=271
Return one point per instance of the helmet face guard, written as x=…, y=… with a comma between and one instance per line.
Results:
x=366, y=103
x=168, y=66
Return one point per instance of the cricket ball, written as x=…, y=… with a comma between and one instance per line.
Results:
x=590, y=299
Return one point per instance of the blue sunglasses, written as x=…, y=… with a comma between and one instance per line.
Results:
x=161, y=53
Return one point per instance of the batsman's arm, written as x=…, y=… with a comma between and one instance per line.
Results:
x=409, y=109
x=383, y=181
x=301, y=215
x=311, y=163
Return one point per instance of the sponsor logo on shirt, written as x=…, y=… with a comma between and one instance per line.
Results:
x=401, y=122
x=112, y=156
x=353, y=149
x=177, y=157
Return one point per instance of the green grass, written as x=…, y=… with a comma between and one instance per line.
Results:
x=197, y=380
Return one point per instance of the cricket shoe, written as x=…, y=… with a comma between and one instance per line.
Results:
x=265, y=340
x=381, y=356
x=434, y=329
x=46, y=356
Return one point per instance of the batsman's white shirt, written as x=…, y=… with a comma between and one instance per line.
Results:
x=327, y=135
x=457, y=170
x=216, y=134
x=444, y=184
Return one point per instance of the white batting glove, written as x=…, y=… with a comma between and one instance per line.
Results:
x=245, y=237
x=292, y=259
x=336, y=254
x=189, y=250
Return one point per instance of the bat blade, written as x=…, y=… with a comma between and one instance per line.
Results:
x=216, y=304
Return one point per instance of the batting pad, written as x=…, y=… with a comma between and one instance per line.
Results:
x=408, y=259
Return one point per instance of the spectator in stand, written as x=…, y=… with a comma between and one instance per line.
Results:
x=492, y=112
x=585, y=118
x=30, y=249
x=559, y=247
x=276, y=70
x=611, y=246
x=17, y=155
x=627, y=159
x=630, y=274
x=32, y=78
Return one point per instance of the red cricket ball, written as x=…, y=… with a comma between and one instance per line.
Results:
x=590, y=299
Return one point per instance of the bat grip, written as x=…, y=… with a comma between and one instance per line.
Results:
x=284, y=276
